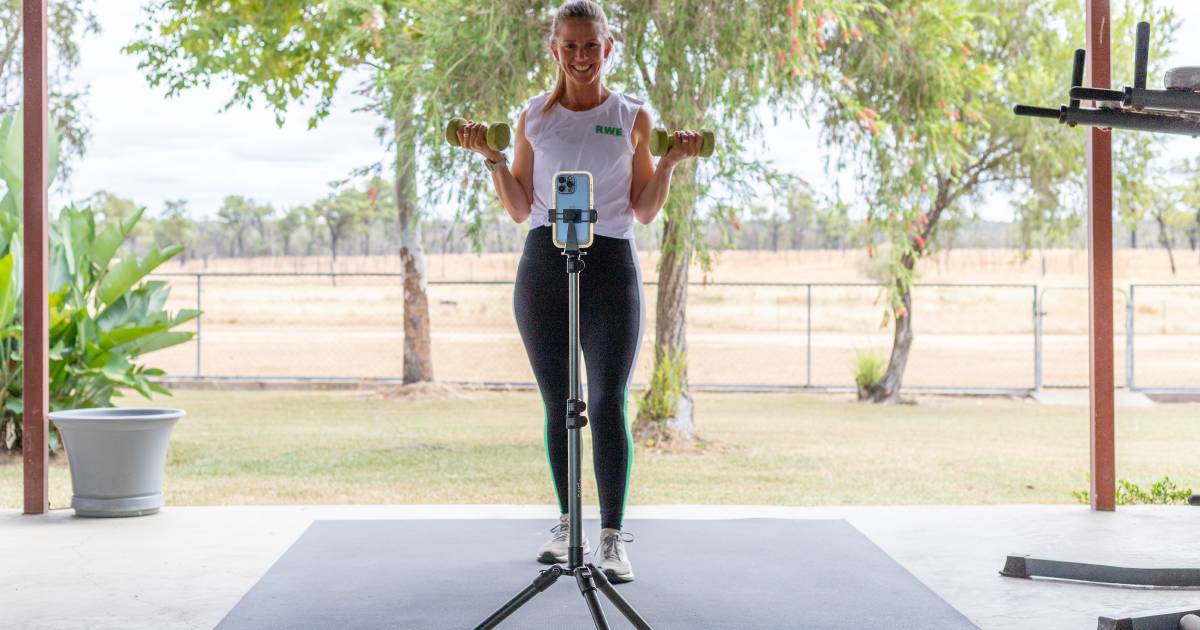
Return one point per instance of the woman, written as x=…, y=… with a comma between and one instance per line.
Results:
x=581, y=125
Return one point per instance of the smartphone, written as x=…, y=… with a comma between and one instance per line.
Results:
x=573, y=191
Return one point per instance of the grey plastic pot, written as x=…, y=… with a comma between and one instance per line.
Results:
x=117, y=458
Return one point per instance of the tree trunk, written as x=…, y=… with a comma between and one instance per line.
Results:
x=888, y=388
x=1196, y=231
x=1163, y=240
x=666, y=410
x=418, y=355
x=333, y=248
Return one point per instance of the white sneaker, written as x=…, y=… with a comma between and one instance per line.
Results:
x=613, y=559
x=554, y=550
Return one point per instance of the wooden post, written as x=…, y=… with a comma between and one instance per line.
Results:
x=1100, y=270
x=36, y=324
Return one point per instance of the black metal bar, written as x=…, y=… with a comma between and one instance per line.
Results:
x=1141, y=55
x=1119, y=119
x=1077, y=72
x=540, y=583
x=1021, y=566
x=1037, y=112
x=1146, y=620
x=507, y=609
x=587, y=588
x=619, y=602
x=1095, y=94
x=1166, y=100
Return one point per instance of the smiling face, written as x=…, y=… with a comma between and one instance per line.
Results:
x=580, y=49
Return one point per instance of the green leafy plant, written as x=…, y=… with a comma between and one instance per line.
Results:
x=662, y=397
x=1162, y=492
x=868, y=371
x=103, y=314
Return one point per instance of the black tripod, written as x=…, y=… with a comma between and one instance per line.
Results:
x=587, y=576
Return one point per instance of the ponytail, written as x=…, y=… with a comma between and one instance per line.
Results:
x=560, y=88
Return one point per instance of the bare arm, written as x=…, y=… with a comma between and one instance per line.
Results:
x=651, y=184
x=514, y=185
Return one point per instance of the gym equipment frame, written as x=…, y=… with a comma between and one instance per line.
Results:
x=1175, y=110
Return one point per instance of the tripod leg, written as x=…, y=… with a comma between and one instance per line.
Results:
x=540, y=583
x=588, y=590
x=619, y=602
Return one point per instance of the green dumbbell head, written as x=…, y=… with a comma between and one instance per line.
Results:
x=497, y=134
x=661, y=141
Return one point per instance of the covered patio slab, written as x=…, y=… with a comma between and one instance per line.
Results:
x=187, y=567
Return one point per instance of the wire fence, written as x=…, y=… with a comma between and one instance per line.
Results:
x=968, y=338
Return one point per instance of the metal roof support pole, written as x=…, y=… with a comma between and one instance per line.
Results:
x=1100, y=270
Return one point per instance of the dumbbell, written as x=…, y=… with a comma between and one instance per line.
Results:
x=498, y=134
x=661, y=141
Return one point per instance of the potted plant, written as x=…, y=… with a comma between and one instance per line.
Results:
x=117, y=457
x=104, y=315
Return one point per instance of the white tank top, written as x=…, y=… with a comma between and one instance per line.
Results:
x=597, y=140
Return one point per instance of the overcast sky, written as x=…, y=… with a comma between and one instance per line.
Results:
x=151, y=149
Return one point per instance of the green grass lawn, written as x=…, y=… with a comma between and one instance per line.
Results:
x=778, y=449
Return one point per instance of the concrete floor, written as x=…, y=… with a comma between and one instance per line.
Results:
x=187, y=566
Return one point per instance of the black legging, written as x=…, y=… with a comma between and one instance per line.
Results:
x=610, y=332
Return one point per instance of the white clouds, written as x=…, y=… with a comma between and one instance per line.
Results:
x=151, y=149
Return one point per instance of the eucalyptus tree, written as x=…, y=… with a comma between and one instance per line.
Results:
x=239, y=215
x=298, y=53
x=340, y=213
x=802, y=212
x=1189, y=195
x=1142, y=190
x=1169, y=217
x=176, y=227
x=379, y=198
x=420, y=61
x=287, y=225
x=924, y=116
x=709, y=64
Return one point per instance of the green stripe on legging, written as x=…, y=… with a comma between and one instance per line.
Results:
x=629, y=449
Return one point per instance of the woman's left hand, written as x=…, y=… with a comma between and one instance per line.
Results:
x=686, y=145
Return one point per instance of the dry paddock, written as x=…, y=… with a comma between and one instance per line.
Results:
x=979, y=336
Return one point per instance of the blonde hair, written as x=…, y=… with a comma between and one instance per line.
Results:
x=574, y=9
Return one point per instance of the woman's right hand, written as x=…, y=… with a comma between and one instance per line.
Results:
x=472, y=136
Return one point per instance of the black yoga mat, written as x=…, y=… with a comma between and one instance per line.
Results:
x=442, y=574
